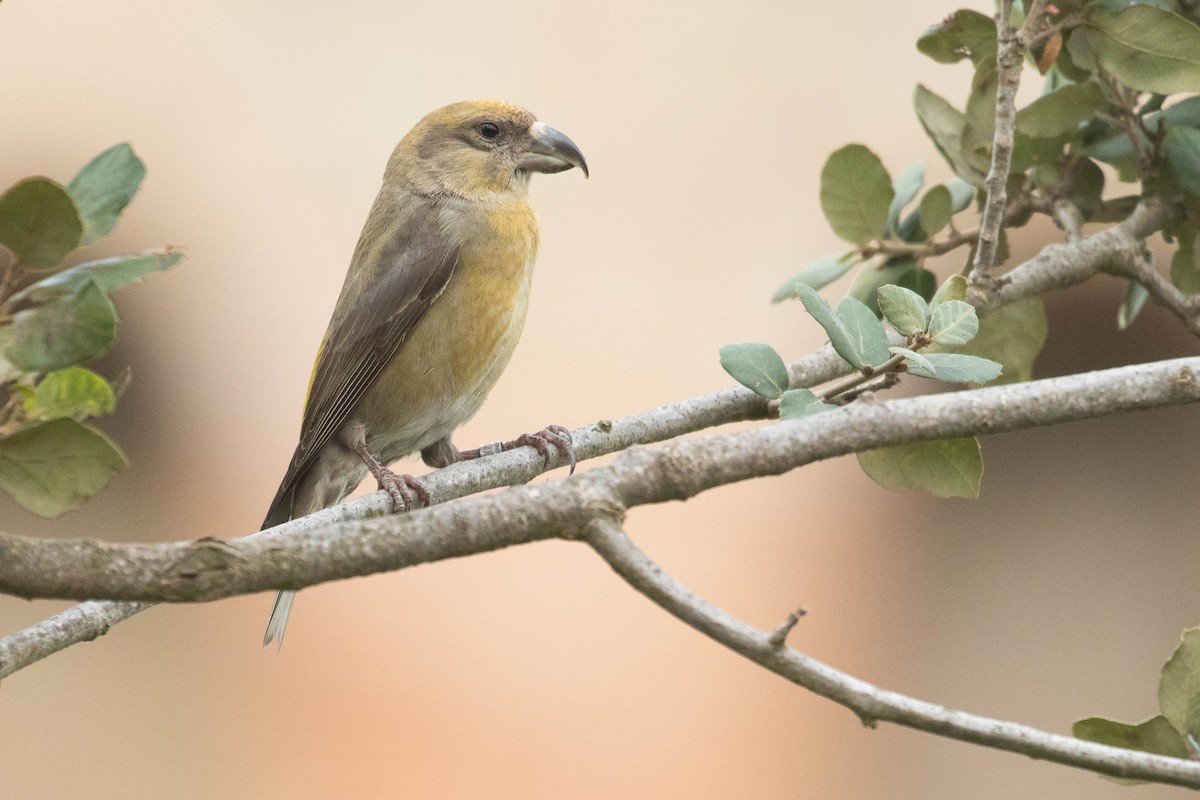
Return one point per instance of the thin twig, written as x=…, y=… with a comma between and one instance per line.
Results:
x=778, y=637
x=871, y=703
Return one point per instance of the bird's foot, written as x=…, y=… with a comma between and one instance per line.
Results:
x=552, y=436
x=405, y=490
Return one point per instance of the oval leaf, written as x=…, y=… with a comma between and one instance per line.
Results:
x=1182, y=147
x=797, y=403
x=904, y=308
x=57, y=466
x=1179, y=687
x=38, y=222
x=963, y=34
x=106, y=273
x=955, y=288
x=905, y=185
x=1136, y=296
x=104, y=187
x=757, y=367
x=1155, y=735
x=71, y=392
x=953, y=323
x=818, y=274
x=866, y=331
x=959, y=368
x=936, y=209
x=915, y=361
x=856, y=193
x=1146, y=48
x=944, y=124
x=73, y=328
x=835, y=329
x=944, y=468
x=1060, y=112
x=1012, y=335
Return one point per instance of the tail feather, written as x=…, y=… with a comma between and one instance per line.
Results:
x=279, y=617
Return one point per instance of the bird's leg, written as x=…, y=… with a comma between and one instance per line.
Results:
x=441, y=453
x=555, y=436
x=405, y=490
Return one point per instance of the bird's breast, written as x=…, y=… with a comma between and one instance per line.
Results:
x=456, y=352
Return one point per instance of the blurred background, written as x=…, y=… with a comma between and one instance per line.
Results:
x=535, y=672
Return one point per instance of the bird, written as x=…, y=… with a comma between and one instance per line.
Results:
x=429, y=314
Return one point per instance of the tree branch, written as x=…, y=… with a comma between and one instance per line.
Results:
x=871, y=703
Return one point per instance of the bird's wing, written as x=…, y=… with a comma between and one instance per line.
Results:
x=377, y=311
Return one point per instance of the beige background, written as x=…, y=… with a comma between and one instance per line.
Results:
x=535, y=673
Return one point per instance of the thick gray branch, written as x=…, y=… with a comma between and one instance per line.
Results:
x=209, y=569
x=871, y=703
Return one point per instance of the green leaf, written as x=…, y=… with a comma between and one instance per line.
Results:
x=835, y=329
x=953, y=322
x=1061, y=112
x=936, y=210
x=104, y=187
x=904, y=308
x=38, y=222
x=980, y=115
x=1179, y=687
x=961, y=194
x=1185, y=267
x=757, y=367
x=1146, y=48
x=1012, y=335
x=963, y=34
x=866, y=331
x=913, y=359
x=797, y=403
x=1182, y=147
x=107, y=273
x=944, y=468
x=959, y=368
x=905, y=185
x=944, y=124
x=56, y=466
x=1087, y=186
x=71, y=329
x=921, y=281
x=856, y=193
x=1155, y=735
x=817, y=274
x=955, y=288
x=1135, y=298
x=70, y=392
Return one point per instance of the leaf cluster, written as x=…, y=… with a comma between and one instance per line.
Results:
x=56, y=317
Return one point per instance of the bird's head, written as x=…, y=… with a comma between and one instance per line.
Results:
x=478, y=148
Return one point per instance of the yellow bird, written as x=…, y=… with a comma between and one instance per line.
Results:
x=430, y=312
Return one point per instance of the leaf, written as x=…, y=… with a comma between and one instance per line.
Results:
x=936, y=210
x=56, y=466
x=953, y=322
x=1135, y=298
x=904, y=308
x=797, y=403
x=70, y=392
x=963, y=34
x=856, y=193
x=1185, y=270
x=866, y=284
x=817, y=274
x=1012, y=335
x=955, y=288
x=1155, y=735
x=104, y=187
x=1087, y=186
x=959, y=368
x=905, y=185
x=980, y=116
x=944, y=124
x=866, y=331
x=757, y=367
x=944, y=468
x=1182, y=146
x=71, y=329
x=1179, y=687
x=1061, y=112
x=921, y=281
x=835, y=329
x=913, y=359
x=961, y=193
x=38, y=222
x=1146, y=48
x=107, y=273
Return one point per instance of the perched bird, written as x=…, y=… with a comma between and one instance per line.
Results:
x=429, y=314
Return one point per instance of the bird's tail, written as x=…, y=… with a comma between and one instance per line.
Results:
x=279, y=618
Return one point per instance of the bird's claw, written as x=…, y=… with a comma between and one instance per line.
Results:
x=555, y=436
x=405, y=491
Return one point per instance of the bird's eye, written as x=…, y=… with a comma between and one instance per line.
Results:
x=489, y=130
